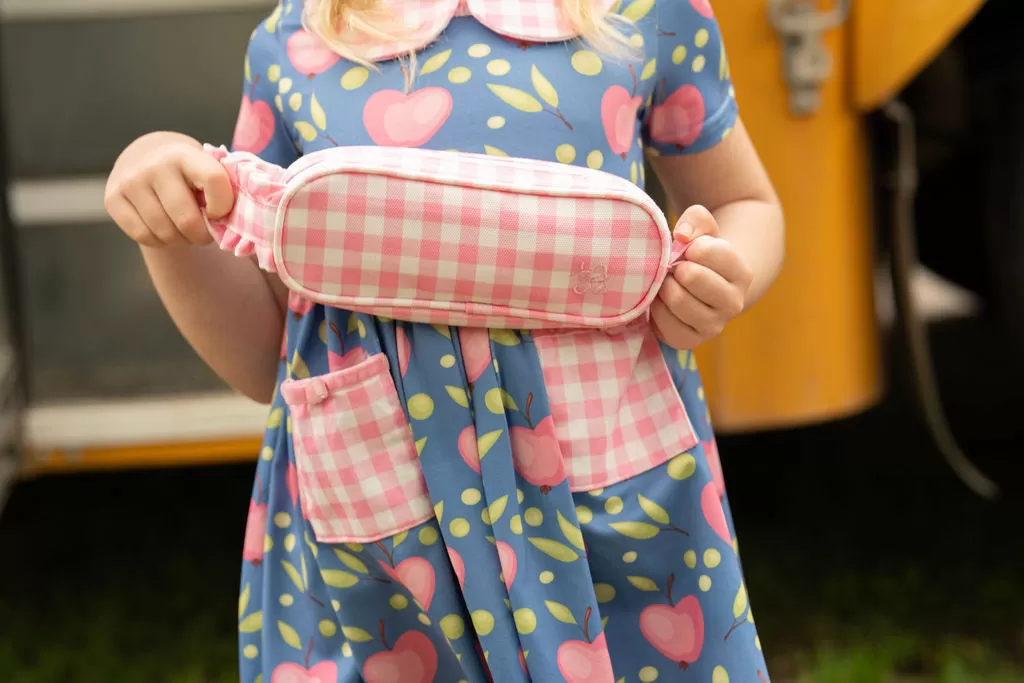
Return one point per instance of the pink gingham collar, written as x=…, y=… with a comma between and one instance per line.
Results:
x=526, y=20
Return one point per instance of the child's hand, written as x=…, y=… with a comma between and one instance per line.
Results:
x=705, y=291
x=151, y=192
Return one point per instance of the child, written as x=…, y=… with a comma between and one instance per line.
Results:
x=521, y=568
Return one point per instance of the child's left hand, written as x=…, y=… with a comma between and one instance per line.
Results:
x=705, y=291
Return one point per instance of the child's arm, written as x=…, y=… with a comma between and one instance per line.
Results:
x=231, y=312
x=730, y=181
x=704, y=158
x=228, y=309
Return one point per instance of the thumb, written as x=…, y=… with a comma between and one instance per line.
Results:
x=208, y=177
x=696, y=222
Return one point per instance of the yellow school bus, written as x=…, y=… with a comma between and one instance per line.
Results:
x=100, y=379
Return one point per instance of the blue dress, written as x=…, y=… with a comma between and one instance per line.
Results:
x=510, y=580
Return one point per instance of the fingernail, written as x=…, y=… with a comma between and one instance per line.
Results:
x=684, y=232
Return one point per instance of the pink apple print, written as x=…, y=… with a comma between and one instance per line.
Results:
x=255, y=125
x=536, y=453
x=324, y=672
x=703, y=8
x=476, y=351
x=678, y=120
x=397, y=119
x=509, y=563
x=458, y=566
x=583, y=662
x=309, y=54
x=299, y=306
x=676, y=631
x=413, y=659
x=417, y=575
x=255, y=531
x=711, y=505
x=336, y=361
x=618, y=116
x=404, y=349
x=468, y=449
x=715, y=465
x=291, y=480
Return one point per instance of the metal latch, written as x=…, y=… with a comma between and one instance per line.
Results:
x=805, y=61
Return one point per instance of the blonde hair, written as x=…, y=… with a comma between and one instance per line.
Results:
x=334, y=19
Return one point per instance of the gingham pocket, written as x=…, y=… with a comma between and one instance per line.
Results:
x=358, y=470
x=614, y=405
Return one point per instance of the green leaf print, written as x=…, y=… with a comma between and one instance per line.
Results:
x=739, y=605
x=275, y=16
x=570, y=531
x=337, y=578
x=517, y=99
x=504, y=337
x=243, y=600
x=637, y=10
x=458, y=395
x=435, y=62
x=317, y=112
x=486, y=442
x=497, y=509
x=252, y=623
x=560, y=612
x=439, y=510
x=653, y=510
x=555, y=550
x=356, y=635
x=306, y=130
x=289, y=635
x=510, y=404
x=638, y=530
x=351, y=561
x=643, y=583
x=649, y=70
x=543, y=87
x=293, y=574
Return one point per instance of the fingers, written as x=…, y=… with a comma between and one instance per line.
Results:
x=181, y=207
x=689, y=309
x=153, y=200
x=207, y=175
x=710, y=288
x=152, y=212
x=720, y=256
x=128, y=219
x=671, y=329
x=695, y=222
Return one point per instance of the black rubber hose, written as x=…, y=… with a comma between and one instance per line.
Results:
x=910, y=324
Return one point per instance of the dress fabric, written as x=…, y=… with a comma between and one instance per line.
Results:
x=484, y=561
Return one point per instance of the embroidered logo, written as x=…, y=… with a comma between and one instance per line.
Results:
x=590, y=280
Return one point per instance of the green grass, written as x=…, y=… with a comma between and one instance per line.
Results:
x=132, y=578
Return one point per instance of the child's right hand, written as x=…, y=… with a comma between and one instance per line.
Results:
x=152, y=191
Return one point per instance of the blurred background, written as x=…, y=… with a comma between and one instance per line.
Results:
x=894, y=131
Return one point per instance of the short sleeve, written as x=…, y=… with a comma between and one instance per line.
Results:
x=260, y=129
x=694, y=104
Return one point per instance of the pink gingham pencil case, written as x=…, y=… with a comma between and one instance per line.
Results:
x=451, y=238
